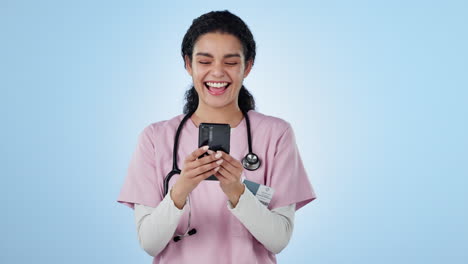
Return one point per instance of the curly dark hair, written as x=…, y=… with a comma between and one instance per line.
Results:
x=219, y=22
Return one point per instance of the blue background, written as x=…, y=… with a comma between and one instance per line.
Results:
x=376, y=92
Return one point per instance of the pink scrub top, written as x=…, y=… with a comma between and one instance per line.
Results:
x=220, y=237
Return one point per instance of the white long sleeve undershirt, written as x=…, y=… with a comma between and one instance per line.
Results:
x=156, y=226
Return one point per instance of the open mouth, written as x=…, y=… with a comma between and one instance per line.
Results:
x=217, y=88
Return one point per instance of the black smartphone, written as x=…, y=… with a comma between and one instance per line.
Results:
x=216, y=136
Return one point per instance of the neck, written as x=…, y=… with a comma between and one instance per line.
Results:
x=226, y=115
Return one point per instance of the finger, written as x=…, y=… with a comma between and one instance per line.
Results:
x=206, y=160
x=230, y=159
x=205, y=168
x=231, y=169
x=191, y=163
x=226, y=174
x=197, y=153
x=221, y=178
x=207, y=174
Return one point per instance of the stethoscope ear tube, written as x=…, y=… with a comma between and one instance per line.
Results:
x=193, y=231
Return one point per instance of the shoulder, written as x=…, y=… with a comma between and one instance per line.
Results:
x=161, y=127
x=265, y=122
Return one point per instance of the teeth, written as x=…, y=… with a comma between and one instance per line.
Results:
x=217, y=85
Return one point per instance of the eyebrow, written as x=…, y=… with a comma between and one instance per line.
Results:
x=211, y=56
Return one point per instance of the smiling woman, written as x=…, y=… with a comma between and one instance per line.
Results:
x=247, y=215
x=218, y=70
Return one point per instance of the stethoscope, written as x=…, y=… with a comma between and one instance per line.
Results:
x=250, y=162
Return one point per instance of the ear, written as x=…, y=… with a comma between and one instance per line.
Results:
x=248, y=67
x=188, y=65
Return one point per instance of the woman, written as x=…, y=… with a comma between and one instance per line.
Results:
x=232, y=224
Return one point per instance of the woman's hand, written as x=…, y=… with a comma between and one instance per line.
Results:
x=229, y=176
x=195, y=170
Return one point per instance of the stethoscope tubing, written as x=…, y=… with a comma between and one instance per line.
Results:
x=175, y=167
x=250, y=162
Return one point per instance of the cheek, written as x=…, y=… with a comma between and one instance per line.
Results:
x=239, y=73
x=198, y=74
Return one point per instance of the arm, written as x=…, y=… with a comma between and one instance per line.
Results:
x=156, y=226
x=271, y=228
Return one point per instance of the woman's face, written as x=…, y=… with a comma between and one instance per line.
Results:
x=218, y=69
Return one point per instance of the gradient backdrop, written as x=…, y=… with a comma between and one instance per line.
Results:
x=376, y=92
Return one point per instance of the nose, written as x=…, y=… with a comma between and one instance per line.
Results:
x=217, y=70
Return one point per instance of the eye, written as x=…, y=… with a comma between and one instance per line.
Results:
x=231, y=63
x=204, y=62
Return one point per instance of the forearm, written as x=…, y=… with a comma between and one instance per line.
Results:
x=271, y=228
x=156, y=226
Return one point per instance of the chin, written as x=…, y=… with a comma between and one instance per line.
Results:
x=217, y=103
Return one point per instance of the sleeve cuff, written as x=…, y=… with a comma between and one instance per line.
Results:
x=169, y=200
x=242, y=200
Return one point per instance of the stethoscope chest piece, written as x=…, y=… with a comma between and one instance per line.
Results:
x=251, y=162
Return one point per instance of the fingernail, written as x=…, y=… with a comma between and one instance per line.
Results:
x=218, y=155
x=205, y=147
x=219, y=161
x=216, y=169
x=210, y=151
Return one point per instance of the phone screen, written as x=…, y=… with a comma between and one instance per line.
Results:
x=216, y=136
